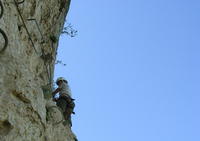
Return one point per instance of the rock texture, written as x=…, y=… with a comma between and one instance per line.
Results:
x=32, y=29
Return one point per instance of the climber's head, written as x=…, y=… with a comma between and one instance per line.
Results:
x=60, y=80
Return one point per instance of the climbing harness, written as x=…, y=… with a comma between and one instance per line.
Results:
x=1, y=9
x=5, y=39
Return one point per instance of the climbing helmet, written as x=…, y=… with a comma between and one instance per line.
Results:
x=60, y=79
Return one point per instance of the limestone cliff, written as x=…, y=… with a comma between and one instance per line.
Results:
x=29, y=33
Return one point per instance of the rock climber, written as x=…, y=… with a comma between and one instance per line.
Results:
x=63, y=98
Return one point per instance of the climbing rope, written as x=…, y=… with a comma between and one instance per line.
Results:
x=6, y=40
x=16, y=4
x=1, y=9
x=48, y=68
x=37, y=27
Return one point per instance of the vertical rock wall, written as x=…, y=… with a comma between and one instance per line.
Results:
x=29, y=33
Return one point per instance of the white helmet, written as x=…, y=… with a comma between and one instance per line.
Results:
x=60, y=79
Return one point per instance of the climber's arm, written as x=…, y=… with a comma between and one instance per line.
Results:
x=56, y=91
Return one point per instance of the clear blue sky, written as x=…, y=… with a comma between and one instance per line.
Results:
x=134, y=69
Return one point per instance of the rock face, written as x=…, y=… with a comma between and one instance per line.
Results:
x=29, y=33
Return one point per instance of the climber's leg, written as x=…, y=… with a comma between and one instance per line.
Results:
x=62, y=104
x=67, y=115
